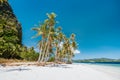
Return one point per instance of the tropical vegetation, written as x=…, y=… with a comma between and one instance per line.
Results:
x=54, y=44
x=3, y=1
x=11, y=36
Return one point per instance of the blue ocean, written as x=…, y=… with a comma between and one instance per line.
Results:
x=112, y=64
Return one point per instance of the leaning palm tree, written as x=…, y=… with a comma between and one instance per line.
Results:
x=51, y=32
x=59, y=41
x=46, y=30
x=41, y=31
x=73, y=47
x=51, y=39
x=69, y=46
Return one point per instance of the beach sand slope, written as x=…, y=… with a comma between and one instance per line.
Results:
x=58, y=72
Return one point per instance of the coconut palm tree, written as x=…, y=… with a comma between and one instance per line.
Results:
x=42, y=31
x=59, y=43
x=51, y=39
x=3, y=1
x=72, y=47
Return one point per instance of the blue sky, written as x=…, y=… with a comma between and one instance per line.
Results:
x=96, y=23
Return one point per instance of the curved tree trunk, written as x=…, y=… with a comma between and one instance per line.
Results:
x=43, y=53
x=40, y=53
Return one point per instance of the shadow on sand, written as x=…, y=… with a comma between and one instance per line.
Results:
x=18, y=69
x=58, y=66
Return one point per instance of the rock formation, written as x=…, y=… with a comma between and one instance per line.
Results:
x=10, y=31
x=10, y=28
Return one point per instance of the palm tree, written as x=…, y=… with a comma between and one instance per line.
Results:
x=50, y=24
x=41, y=31
x=59, y=42
x=51, y=39
x=3, y=1
x=72, y=47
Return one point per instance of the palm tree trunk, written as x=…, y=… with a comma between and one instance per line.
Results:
x=43, y=54
x=39, y=56
x=56, y=55
x=47, y=52
x=40, y=53
x=47, y=46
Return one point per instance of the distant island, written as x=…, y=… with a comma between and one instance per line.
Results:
x=96, y=60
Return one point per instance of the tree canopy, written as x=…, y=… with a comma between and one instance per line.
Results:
x=54, y=43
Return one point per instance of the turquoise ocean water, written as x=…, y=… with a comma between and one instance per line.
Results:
x=112, y=64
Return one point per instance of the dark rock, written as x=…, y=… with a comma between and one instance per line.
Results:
x=9, y=21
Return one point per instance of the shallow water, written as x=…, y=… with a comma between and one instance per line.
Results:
x=111, y=64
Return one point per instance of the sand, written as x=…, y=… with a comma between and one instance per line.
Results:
x=59, y=72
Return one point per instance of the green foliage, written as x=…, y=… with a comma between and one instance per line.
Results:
x=1, y=1
x=11, y=36
x=29, y=54
x=51, y=38
x=51, y=59
x=9, y=40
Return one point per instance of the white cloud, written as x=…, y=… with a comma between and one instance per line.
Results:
x=36, y=49
x=76, y=52
x=61, y=44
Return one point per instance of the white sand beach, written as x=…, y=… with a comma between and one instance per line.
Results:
x=60, y=72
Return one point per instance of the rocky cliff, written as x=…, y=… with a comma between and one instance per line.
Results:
x=10, y=28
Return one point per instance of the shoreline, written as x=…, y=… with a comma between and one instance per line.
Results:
x=108, y=69
x=59, y=72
